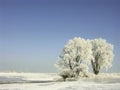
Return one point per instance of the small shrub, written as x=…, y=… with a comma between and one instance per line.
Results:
x=67, y=74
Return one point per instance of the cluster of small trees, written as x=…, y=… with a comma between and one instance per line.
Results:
x=78, y=53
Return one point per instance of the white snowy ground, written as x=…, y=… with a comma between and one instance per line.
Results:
x=43, y=81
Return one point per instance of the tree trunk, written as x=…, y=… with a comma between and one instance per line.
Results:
x=70, y=65
x=96, y=67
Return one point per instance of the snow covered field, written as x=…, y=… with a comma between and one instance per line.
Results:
x=46, y=81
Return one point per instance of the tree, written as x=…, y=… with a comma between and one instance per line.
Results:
x=75, y=56
x=102, y=55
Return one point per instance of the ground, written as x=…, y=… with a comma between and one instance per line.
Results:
x=46, y=81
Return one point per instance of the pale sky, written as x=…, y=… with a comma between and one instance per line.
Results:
x=33, y=32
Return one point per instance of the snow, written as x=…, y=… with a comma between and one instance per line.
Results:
x=29, y=76
x=103, y=81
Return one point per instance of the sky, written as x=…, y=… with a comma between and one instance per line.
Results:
x=33, y=32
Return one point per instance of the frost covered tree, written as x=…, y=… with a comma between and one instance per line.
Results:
x=75, y=56
x=102, y=55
